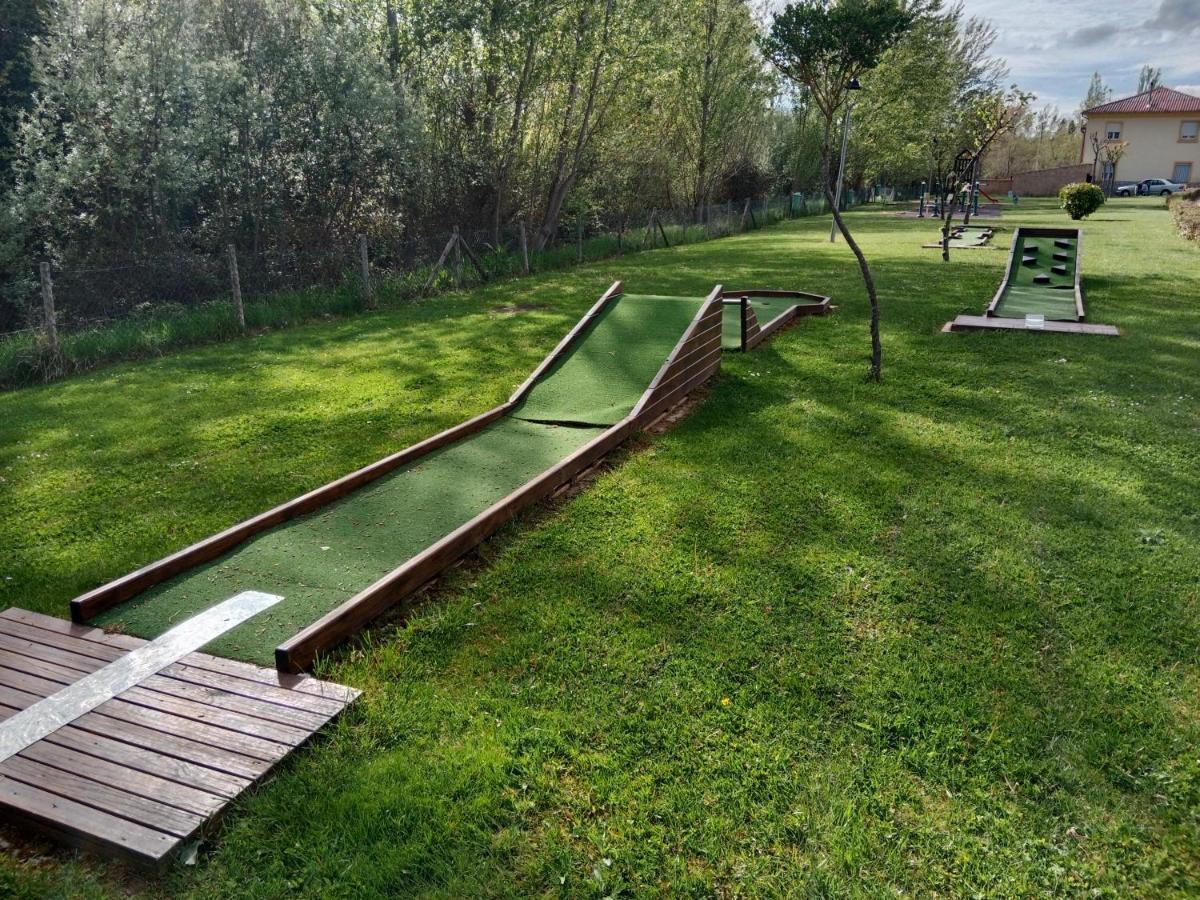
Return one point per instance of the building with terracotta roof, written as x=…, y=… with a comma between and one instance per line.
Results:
x=1160, y=131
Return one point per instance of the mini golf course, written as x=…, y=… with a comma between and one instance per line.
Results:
x=967, y=237
x=342, y=554
x=751, y=317
x=129, y=739
x=1041, y=289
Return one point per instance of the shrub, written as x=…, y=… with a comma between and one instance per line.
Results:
x=1185, y=207
x=1081, y=199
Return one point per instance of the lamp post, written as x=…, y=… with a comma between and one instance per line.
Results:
x=837, y=194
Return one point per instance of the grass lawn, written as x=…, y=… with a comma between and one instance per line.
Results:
x=934, y=636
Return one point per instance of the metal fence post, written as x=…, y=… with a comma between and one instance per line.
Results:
x=49, y=323
x=235, y=284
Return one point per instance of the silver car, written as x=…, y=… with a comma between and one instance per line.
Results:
x=1149, y=187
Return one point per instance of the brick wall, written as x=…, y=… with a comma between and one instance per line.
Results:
x=1046, y=182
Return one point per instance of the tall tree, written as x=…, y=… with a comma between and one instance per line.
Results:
x=1149, y=78
x=1097, y=93
x=24, y=20
x=827, y=46
x=719, y=94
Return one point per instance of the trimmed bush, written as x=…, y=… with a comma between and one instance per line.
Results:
x=1185, y=207
x=1081, y=199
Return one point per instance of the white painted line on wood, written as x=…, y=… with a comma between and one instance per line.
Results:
x=63, y=707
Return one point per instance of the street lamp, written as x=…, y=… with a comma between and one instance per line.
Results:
x=837, y=195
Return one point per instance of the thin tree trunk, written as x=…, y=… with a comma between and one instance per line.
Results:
x=875, y=372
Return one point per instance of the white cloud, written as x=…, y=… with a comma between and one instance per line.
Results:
x=1113, y=37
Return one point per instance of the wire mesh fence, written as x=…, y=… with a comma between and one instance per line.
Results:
x=141, y=303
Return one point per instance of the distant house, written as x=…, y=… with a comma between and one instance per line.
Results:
x=1161, y=132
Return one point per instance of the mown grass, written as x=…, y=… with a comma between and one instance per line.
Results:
x=935, y=636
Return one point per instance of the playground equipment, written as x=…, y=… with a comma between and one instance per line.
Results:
x=1041, y=287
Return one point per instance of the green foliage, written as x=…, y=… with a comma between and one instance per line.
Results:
x=1080, y=199
x=823, y=45
x=1185, y=208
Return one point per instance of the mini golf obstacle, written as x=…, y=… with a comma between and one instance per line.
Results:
x=751, y=317
x=1041, y=288
x=131, y=743
x=967, y=237
x=345, y=552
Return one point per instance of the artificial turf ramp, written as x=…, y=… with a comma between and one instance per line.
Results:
x=1042, y=280
x=319, y=560
x=603, y=376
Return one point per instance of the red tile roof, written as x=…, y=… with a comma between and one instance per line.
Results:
x=1160, y=100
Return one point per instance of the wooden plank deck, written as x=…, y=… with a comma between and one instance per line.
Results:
x=998, y=323
x=148, y=770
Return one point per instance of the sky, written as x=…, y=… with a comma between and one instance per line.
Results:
x=1053, y=48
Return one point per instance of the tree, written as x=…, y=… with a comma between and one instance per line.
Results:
x=24, y=20
x=1148, y=79
x=719, y=95
x=978, y=122
x=1097, y=93
x=826, y=46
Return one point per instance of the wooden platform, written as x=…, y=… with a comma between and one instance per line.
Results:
x=998, y=323
x=145, y=772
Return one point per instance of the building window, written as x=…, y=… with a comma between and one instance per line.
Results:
x=1112, y=131
x=1108, y=172
x=1182, y=173
x=1189, y=131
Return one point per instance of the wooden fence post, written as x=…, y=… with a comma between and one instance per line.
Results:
x=365, y=270
x=235, y=284
x=524, y=249
x=49, y=323
x=579, y=238
x=458, y=262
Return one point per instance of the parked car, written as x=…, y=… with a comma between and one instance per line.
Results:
x=1150, y=186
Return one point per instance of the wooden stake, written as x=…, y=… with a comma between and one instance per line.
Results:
x=579, y=238
x=661, y=230
x=49, y=323
x=745, y=215
x=458, y=266
x=235, y=284
x=441, y=260
x=524, y=250
x=365, y=271
x=475, y=261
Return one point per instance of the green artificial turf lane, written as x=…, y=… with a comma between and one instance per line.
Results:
x=1054, y=300
x=321, y=560
x=731, y=326
x=602, y=378
x=766, y=309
